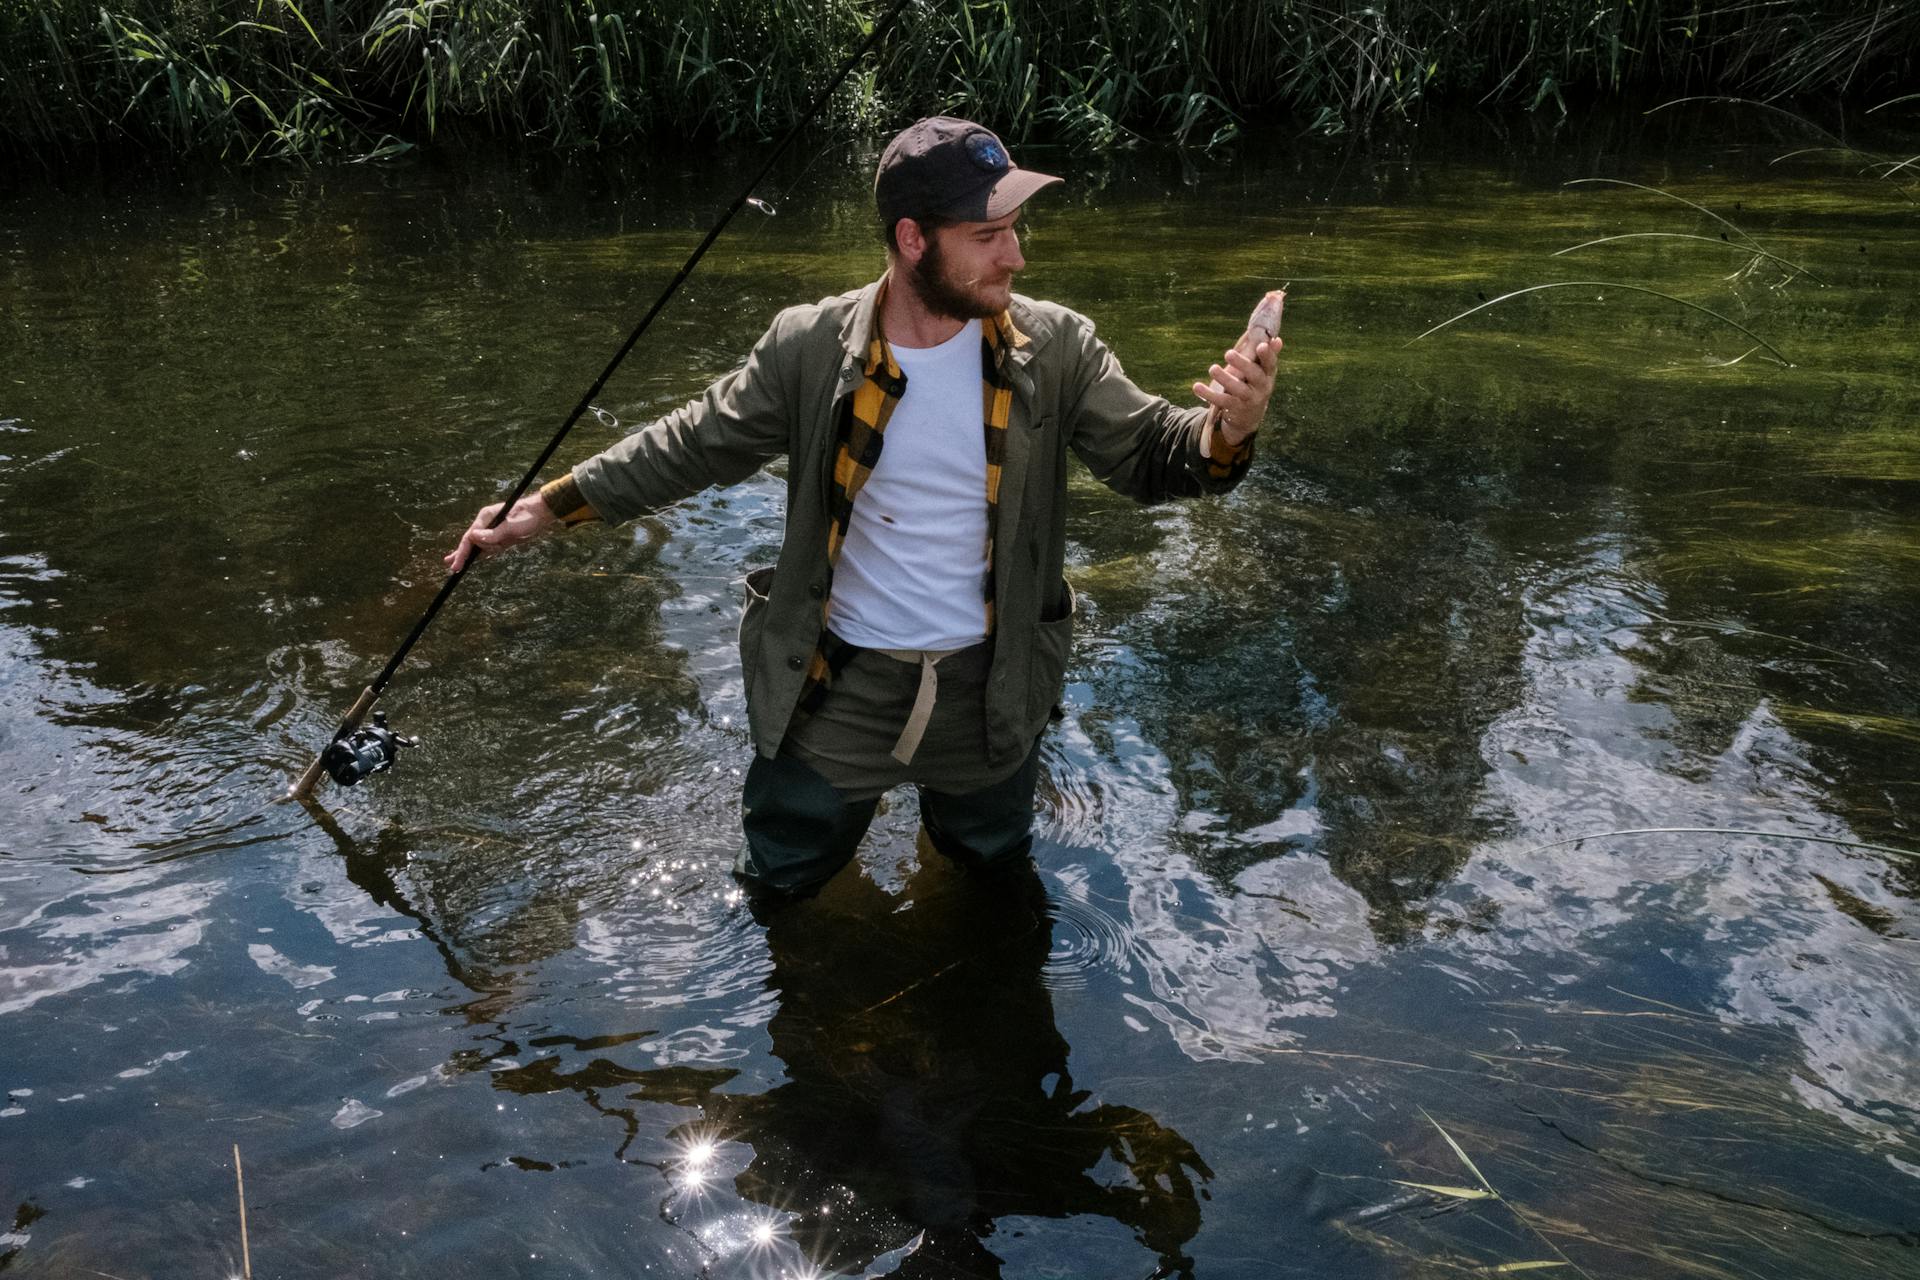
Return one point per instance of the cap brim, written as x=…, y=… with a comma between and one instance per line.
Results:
x=997, y=201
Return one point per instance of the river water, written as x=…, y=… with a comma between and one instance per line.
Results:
x=1398, y=844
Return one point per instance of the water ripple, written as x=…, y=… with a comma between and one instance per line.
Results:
x=1086, y=940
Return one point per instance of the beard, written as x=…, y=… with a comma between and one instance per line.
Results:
x=943, y=295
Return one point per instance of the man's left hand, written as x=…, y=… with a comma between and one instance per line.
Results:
x=1240, y=389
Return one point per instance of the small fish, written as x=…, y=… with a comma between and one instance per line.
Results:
x=1262, y=325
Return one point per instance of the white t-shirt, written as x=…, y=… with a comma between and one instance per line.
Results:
x=912, y=572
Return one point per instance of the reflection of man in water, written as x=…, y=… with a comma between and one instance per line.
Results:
x=917, y=627
x=925, y=1073
x=927, y=1088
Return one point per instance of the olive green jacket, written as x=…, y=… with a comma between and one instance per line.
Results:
x=1069, y=392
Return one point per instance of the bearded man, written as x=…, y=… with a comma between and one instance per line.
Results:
x=917, y=626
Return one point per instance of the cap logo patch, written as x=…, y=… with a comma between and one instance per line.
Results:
x=986, y=152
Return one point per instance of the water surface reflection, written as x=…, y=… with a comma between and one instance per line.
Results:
x=926, y=1094
x=1334, y=869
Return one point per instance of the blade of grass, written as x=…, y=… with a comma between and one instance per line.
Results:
x=1465, y=1159
x=1638, y=186
x=1747, y=102
x=1607, y=284
x=240, y=1186
x=1452, y=1193
x=1818, y=151
x=1723, y=831
x=294, y=9
x=1515, y=1209
x=1682, y=235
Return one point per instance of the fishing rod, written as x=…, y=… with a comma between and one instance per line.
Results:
x=355, y=753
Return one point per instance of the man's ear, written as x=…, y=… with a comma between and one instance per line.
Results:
x=907, y=234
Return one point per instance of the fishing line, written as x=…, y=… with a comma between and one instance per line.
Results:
x=381, y=741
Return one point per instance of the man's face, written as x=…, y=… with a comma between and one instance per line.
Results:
x=967, y=269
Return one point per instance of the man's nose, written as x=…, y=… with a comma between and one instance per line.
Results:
x=1013, y=259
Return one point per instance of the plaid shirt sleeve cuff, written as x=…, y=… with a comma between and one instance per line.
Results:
x=564, y=500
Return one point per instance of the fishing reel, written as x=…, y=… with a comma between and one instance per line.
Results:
x=364, y=752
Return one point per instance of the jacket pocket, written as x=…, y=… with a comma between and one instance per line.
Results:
x=1047, y=667
x=755, y=602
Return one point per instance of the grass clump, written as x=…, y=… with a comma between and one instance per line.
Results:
x=307, y=78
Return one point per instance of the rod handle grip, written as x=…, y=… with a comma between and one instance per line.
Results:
x=304, y=787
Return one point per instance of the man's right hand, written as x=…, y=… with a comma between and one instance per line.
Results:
x=529, y=518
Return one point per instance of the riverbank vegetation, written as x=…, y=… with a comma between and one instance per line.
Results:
x=305, y=79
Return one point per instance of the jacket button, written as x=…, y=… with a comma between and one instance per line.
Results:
x=795, y=662
x=816, y=591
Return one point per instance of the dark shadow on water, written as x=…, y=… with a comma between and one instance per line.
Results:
x=927, y=1093
x=371, y=867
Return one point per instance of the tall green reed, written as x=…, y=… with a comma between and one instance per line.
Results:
x=309, y=78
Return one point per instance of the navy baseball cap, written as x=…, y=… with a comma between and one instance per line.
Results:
x=949, y=168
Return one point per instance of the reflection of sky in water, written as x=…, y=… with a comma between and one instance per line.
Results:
x=1230, y=970
x=61, y=931
x=1225, y=973
x=1749, y=912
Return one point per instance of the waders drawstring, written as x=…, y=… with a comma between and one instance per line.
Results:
x=303, y=789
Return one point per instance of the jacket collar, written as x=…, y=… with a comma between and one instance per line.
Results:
x=861, y=329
